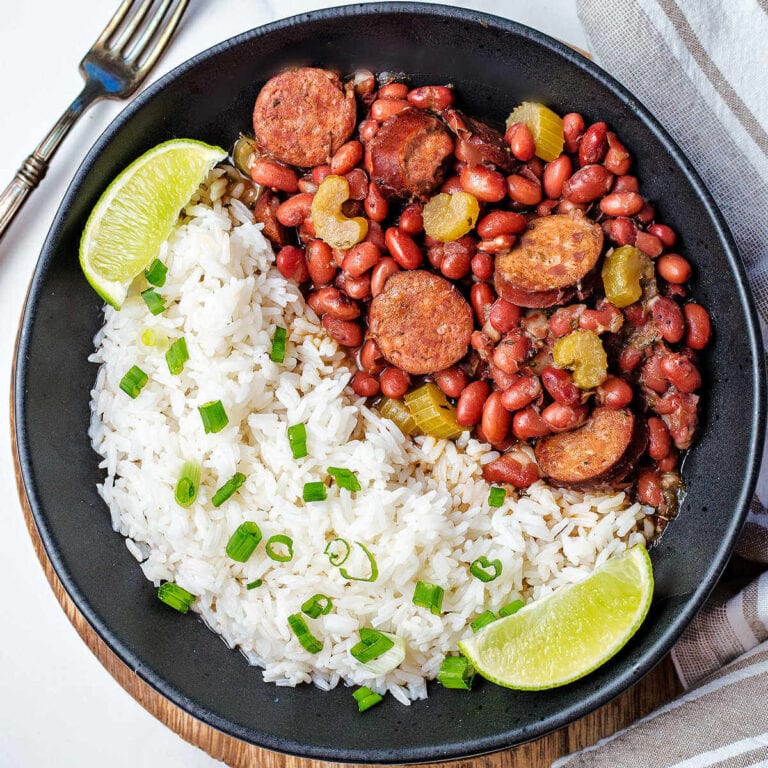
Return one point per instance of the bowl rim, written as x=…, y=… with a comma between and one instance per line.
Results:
x=456, y=749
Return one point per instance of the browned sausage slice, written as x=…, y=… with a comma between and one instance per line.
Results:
x=265, y=212
x=407, y=154
x=482, y=144
x=420, y=322
x=304, y=115
x=552, y=259
x=604, y=450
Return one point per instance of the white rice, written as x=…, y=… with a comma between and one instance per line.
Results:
x=422, y=510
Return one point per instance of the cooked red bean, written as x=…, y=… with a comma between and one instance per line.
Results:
x=376, y=206
x=347, y=332
x=394, y=382
x=346, y=157
x=319, y=172
x=320, y=262
x=358, y=184
x=365, y=385
x=496, y=419
x=594, y=144
x=555, y=175
x=621, y=230
x=382, y=109
x=659, y=441
x=498, y=223
x=434, y=97
x=528, y=424
x=520, y=140
x=485, y=184
x=681, y=372
x=664, y=233
x=360, y=258
x=375, y=235
x=649, y=488
x=411, y=219
x=673, y=268
x=562, y=418
x=274, y=175
x=306, y=184
x=356, y=287
x=621, y=204
x=617, y=159
x=292, y=264
x=381, y=273
x=573, y=130
x=511, y=469
x=522, y=391
x=630, y=359
x=294, y=210
x=469, y=408
x=393, y=91
x=565, y=319
x=452, y=381
x=668, y=317
x=604, y=317
x=371, y=359
x=626, y=184
x=545, y=207
x=452, y=184
x=615, y=393
x=523, y=190
x=457, y=260
x=333, y=302
x=364, y=82
x=649, y=244
x=504, y=316
x=368, y=129
x=482, y=266
x=669, y=462
x=481, y=297
x=698, y=326
x=647, y=214
x=403, y=248
x=559, y=384
x=588, y=183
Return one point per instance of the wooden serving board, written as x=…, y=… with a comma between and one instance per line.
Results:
x=658, y=687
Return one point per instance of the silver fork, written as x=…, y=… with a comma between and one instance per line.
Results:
x=113, y=68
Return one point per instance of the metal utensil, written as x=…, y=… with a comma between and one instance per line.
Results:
x=113, y=68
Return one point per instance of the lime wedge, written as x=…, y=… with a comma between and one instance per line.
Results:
x=137, y=212
x=571, y=632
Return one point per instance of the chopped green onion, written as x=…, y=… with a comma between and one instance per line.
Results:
x=483, y=620
x=315, y=491
x=254, y=584
x=153, y=300
x=133, y=381
x=308, y=641
x=372, y=645
x=228, y=489
x=175, y=596
x=337, y=558
x=371, y=562
x=480, y=569
x=244, y=541
x=277, y=355
x=280, y=539
x=496, y=496
x=148, y=337
x=345, y=478
x=366, y=698
x=188, y=485
x=429, y=596
x=213, y=415
x=390, y=659
x=317, y=605
x=176, y=356
x=156, y=273
x=297, y=439
x=513, y=607
x=456, y=672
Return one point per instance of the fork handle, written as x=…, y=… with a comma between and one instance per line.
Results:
x=33, y=169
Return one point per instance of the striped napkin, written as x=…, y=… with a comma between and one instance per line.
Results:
x=701, y=67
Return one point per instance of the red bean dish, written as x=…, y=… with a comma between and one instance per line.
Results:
x=554, y=312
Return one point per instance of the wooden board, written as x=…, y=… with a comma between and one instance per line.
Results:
x=658, y=687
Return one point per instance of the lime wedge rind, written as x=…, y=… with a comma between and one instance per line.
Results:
x=137, y=211
x=568, y=634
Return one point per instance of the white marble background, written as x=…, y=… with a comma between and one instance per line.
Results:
x=58, y=706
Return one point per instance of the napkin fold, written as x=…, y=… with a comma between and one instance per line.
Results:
x=701, y=67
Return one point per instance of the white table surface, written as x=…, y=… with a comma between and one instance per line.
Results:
x=58, y=706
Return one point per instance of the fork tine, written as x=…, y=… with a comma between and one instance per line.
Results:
x=128, y=31
x=153, y=53
x=114, y=22
x=148, y=32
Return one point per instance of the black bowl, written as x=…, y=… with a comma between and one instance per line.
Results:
x=495, y=64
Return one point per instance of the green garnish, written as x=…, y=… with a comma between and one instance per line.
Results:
x=345, y=478
x=153, y=300
x=214, y=416
x=228, y=489
x=176, y=356
x=372, y=645
x=175, y=596
x=308, y=641
x=133, y=381
x=496, y=496
x=244, y=541
x=429, y=596
x=277, y=355
x=315, y=491
x=156, y=273
x=485, y=569
x=297, y=439
x=483, y=620
x=317, y=605
x=513, y=607
x=366, y=698
x=279, y=539
x=188, y=485
x=456, y=672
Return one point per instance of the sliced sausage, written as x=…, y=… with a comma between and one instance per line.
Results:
x=482, y=143
x=550, y=262
x=265, y=212
x=408, y=153
x=304, y=115
x=604, y=450
x=420, y=322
